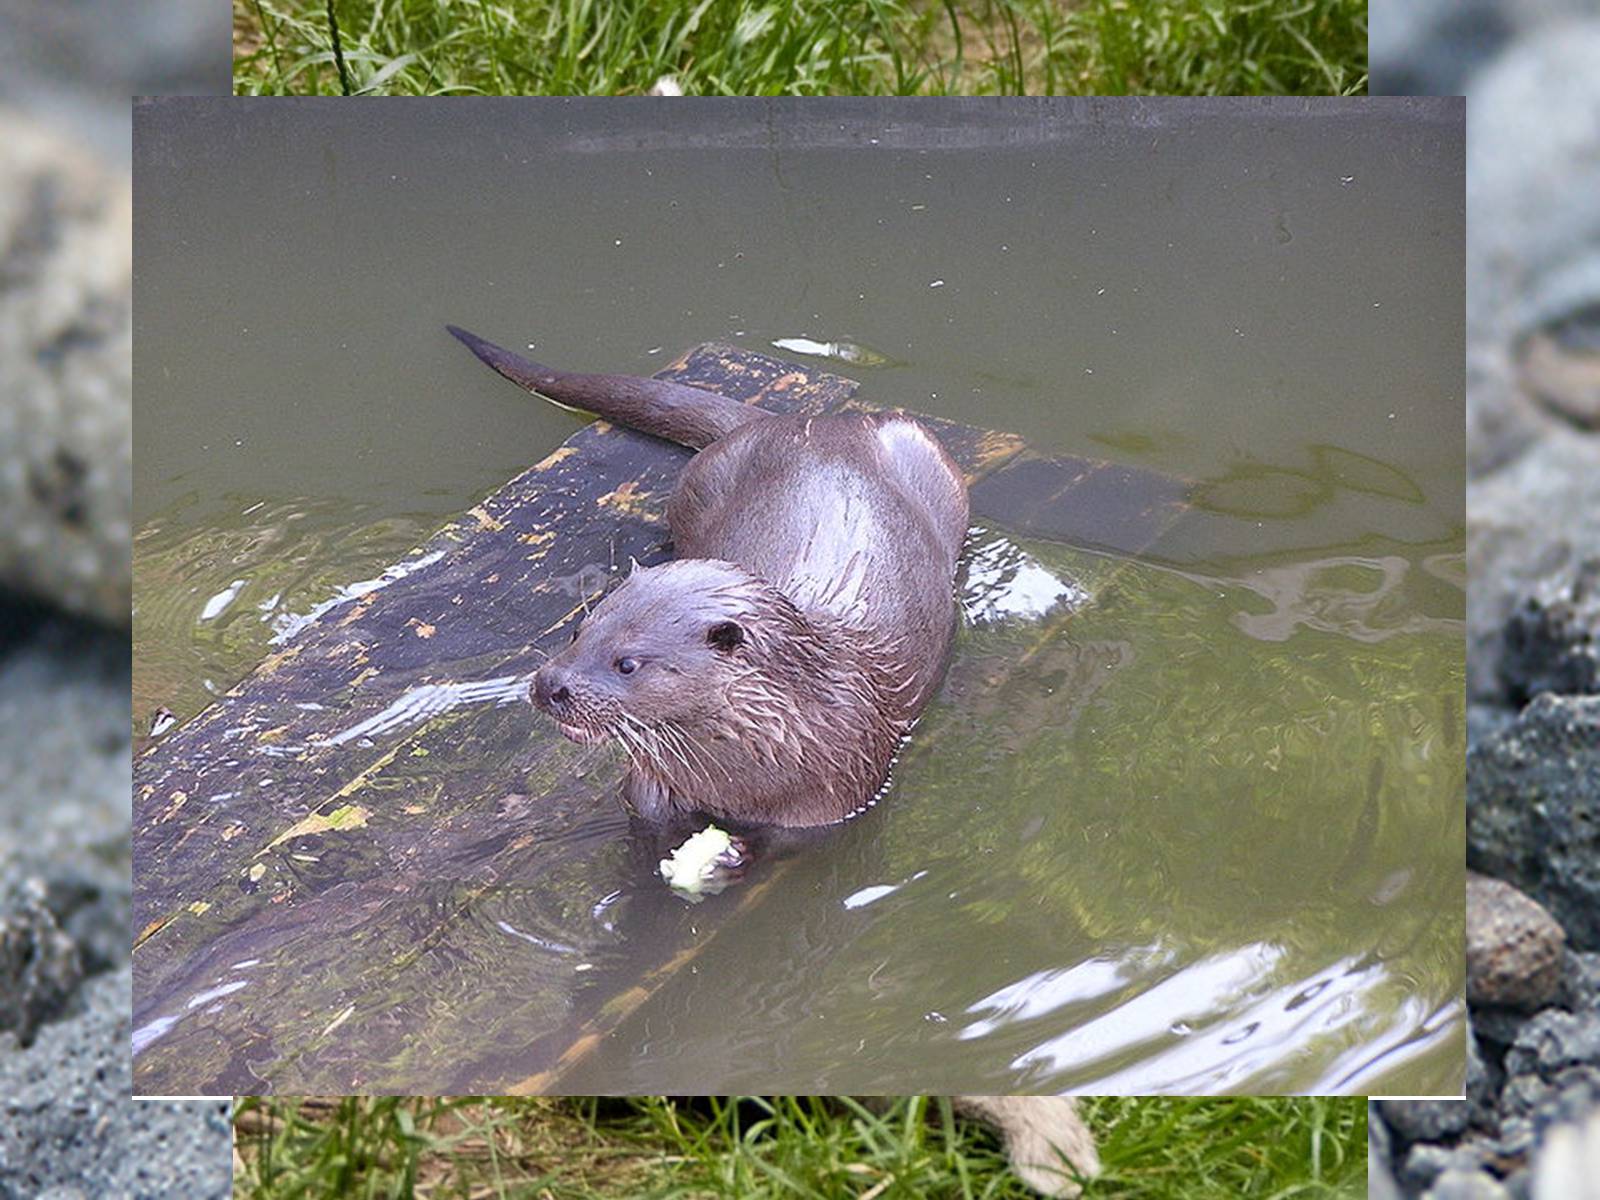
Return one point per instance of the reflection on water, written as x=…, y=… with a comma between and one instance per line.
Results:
x=418, y=704
x=1363, y=598
x=845, y=352
x=209, y=604
x=286, y=625
x=1141, y=774
x=1000, y=579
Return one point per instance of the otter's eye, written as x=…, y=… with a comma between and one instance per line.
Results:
x=627, y=666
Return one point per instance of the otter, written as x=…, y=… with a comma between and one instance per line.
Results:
x=767, y=675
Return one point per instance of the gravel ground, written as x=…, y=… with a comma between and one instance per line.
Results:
x=68, y=1128
x=1530, y=1125
x=66, y=1121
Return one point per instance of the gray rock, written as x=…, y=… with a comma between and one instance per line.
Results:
x=1554, y=1040
x=1580, y=981
x=66, y=1120
x=67, y=1125
x=1533, y=810
x=1483, y=1086
x=1377, y=1131
x=1557, y=367
x=1424, y=1163
x=1523, y=1096
x=1497, y=1028
x=1434, y=47
x=65, y=1117
x=1530, y=255
x=64, y=735
x=40, y=968
x=1530, y=1105
x=1570, y=1166
x=77, y=61
x=68, y=1129
x=1484, y=720
x=1380, y=1184
x=65, y=364
x=1425, y=1120
x=1430, y=47
x=1533, y=292
x=1533, y=260
x=1516, y=1139
x=1514, y=947
x=1528, y=528
x=1467, y=1185
x=1551, y=641
x=64, y=743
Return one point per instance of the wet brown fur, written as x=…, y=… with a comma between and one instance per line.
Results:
x=778, y=663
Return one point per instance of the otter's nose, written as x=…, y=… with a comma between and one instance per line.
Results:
x=550, y=688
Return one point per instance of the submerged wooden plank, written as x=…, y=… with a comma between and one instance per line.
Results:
x=1081, y=501
x=253, y=816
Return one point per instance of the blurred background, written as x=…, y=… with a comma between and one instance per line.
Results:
x=67, y=1128
x=79, y=61
x=1533, y=445
x=1433, y=47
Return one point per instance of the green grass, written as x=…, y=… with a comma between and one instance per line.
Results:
x=801, y=47
x=792, y=1148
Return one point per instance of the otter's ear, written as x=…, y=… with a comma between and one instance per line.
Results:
x=725, y=636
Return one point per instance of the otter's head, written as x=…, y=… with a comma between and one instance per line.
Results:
x=656, y=656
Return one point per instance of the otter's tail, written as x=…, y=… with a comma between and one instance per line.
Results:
x=687, y=415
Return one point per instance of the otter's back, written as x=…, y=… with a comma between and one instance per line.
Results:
x=834, y=511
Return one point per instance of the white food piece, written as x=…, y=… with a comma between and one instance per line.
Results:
x=692, y=865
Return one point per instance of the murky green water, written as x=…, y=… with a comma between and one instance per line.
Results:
x=1198, y=830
